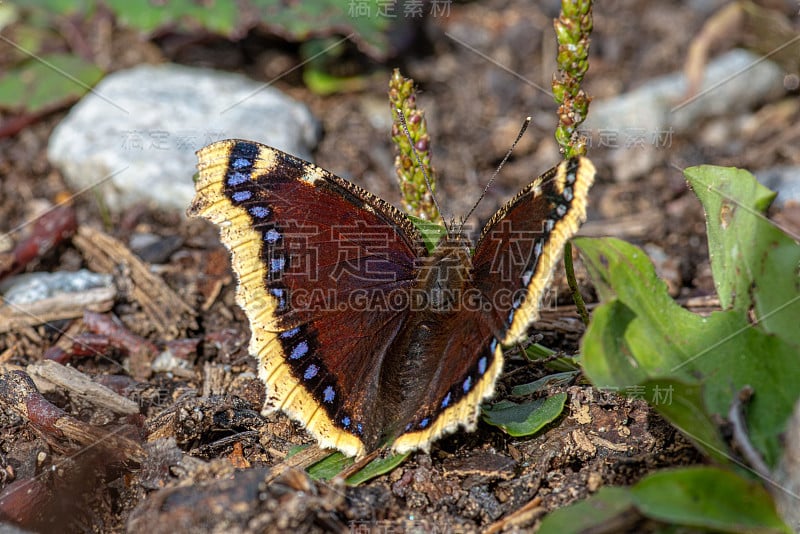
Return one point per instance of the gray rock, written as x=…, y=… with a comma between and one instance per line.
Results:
x=33, y=287
x=134, y=135
x=783, y=180
x=637, y=125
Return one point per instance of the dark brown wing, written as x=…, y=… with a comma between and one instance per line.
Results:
x=511, y=267
x=324, y=271
x=521, y=244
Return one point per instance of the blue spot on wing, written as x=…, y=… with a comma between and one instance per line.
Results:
x=277, y=264
x=259, y=212
x=311, y=372
x=272, y=236
x=237, y=178
x=446, y=401
x=482, y=365
x=329, y=394
x=241, y=196
x=290, y=333
x=467, y=384
x=299, y=350
x=278, y=293
x=241, y=163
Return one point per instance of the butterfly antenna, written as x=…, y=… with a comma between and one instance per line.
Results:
x=489, y=183
x=421, y=166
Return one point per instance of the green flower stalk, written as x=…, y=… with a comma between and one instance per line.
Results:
x=417, y=197
x=573, y=27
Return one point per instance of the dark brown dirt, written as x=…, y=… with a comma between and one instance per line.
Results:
x=209, y=452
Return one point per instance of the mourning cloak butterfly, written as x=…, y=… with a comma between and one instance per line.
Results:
x=361, y=335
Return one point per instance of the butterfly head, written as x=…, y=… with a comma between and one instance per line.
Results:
x=443, y=275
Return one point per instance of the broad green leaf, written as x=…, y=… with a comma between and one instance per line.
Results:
x=47, y=81
x=641, y=335
x=707, y=497
x=524, y=419
x=730, y=205
x=752, y=261
x=595, y=512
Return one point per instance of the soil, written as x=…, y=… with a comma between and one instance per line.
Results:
x=209, y=461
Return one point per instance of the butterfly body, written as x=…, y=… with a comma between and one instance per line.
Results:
x=361, y=335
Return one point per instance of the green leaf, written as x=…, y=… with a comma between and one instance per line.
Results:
x=730, y=205
x=640, y=335
x=47, y=81
x=707, y=497
x=752, y=261
x=376, y=468
x=216, y=16
x=431, y=232
x=698, y=497
x=368, y=20
x=683, y=404
x=330, y=466
x=336, y=462
x=322, y=83
x=524, y=419
x=296, y=449
x=62, y=7
x=595, y=512
x=536, y=352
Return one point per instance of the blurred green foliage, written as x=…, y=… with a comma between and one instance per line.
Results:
x=36, y=51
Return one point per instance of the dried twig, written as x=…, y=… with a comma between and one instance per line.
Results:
x=19, y=394
x=81, y=386
x=168, y=313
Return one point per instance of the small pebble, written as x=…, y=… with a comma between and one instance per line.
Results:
x=31, y=287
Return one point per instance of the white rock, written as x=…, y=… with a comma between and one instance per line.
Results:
x=134, y=135
x=636, y=125
x=31, y=287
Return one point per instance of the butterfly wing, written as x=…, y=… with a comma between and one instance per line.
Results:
x=511, y=267
x=521, y=244
x=467, y=369
x=324, y=271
